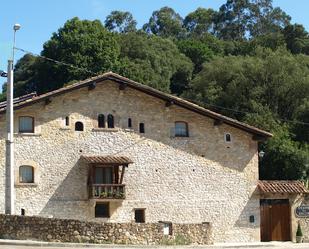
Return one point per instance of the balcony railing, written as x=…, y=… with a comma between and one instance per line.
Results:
x=107, y=191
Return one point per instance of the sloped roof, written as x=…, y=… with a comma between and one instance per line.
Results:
x=148, y=90
x=119, y=160
x=282, y=187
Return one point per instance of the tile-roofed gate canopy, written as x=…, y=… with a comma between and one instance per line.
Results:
x=282, y=187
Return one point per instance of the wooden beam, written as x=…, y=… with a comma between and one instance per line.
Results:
x=92, y=86
x=258, y=138
x=122, y=86
x=122, y=173
x=218, y=122
x=169, y=103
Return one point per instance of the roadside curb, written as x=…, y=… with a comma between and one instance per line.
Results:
x=84, y=245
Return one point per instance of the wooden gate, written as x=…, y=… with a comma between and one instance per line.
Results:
x=275, y=220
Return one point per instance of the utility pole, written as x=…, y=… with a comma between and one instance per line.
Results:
x=9, y=164
x=9, y=143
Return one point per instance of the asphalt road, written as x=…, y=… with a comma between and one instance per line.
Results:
x=270, y=246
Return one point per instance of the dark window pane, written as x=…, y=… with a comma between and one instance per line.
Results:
x=67, y=121
x=110, y=121
x=129, y=122
x=181, y=129
x=26, y=174
x=26, y=124
x=142, y=128
x=228, y=138
x=79, y=126
x=101, y=121
x=102, y=210
x=140, y=215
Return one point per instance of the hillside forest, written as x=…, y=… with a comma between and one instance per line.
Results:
x=245, y=60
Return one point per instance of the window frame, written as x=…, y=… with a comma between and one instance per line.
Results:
x=67, y=121
x=19, y=174
x=108, y=210
x=230, y=137
x=187, y=129
x=25, y=131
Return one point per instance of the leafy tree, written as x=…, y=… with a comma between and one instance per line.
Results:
x=197, y=51
x=153, y=60
x=301, y=126
x=265, y=19
x=200, y=21
x=165, y=22
x=232, y=20
x=121, y=22
x=284, y=158
x=82, y=43
x=296, y=38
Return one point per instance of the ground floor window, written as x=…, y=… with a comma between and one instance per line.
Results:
x=102, y=210
x=139, y=215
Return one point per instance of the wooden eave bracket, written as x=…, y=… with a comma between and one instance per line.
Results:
x=92, y=86
x=258, y=138
x=169, y=103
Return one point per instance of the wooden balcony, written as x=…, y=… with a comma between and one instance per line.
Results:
x=107, y=191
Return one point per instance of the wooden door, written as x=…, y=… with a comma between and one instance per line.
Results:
x=275, y=220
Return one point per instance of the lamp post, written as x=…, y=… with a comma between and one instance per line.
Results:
x=9, y=190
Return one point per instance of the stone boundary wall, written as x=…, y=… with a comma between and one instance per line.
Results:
x=65, y=230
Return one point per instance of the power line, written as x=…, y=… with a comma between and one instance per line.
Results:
x=96, y=74
x=58, y=62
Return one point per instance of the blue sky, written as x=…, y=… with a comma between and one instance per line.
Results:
x=40, y=18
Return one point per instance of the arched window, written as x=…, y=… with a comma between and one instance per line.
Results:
x=26, y=174
x=228, y=137
x=129, y=122
x=101, y=121
x=110, y=121
x=67, y=121
x=141, y=127
x=181, y=129
x=26, y=124
x=79, y=126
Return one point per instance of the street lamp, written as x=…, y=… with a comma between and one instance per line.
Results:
x=9, y=190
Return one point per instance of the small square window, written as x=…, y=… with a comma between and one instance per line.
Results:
x=26, y=174
x=26, y=124
x=139, y=215
x=167, y=229
x=102, y=210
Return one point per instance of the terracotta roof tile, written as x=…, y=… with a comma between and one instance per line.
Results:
x=121, y=160
x=289, y=187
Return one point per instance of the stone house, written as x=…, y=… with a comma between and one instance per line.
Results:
x=109, y=149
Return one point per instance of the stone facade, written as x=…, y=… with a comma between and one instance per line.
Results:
x=195, y=179
x=63, y=230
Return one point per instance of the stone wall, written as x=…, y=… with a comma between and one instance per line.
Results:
x=195, y=179
x=64, y=230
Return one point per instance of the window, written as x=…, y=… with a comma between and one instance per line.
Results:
x=139, y=215
x=129, y=122
x=26, y=174
x=67, y=121
x=228, y=137
x=103, y=175
x=141, y=127
x=167, y=228
x=181, y=129
x=110, y=121
x=79, y=126
x=102, y=210
x=26, y=124
x=101, y=121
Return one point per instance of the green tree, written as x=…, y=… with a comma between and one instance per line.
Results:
x=166, y=23
x=297, y=39
x=82, y=43
x=153, y=60
x=121, y=22
x=197, y=51
x=200, y=21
